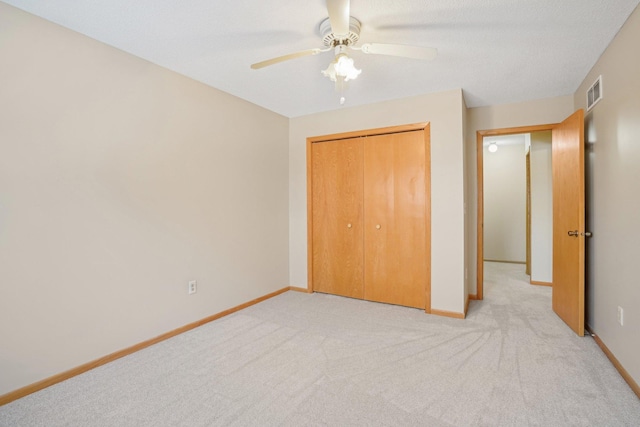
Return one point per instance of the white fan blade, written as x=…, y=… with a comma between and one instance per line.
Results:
x=402, y=50
x=283, y=58
x=339, y=16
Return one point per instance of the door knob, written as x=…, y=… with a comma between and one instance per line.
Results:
x=378, y=226
x=349, y=225
x=576, y=233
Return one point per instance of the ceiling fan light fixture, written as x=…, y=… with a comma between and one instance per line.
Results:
x=341, y=66
x=346, y=68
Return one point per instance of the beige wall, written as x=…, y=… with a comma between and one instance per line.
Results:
x=612, y=159
x=536, y=112
x=465, y=187
x=541, y=208
x=505, y=203
x=444, y=112
x=119, y=182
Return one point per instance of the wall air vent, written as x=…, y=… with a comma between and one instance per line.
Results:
x=594, y=94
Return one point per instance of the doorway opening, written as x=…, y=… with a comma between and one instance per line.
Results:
x=517, y=225
x=518, y=203
x=568, y=215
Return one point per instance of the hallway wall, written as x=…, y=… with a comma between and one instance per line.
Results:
x=505, y=203
x=541, y=208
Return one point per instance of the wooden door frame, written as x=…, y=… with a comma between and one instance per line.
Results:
x=480, y=135
x=528, y=214
x=425, y=127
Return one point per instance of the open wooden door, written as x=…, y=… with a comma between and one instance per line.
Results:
x=568, y=221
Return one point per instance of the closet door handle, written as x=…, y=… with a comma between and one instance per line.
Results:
x=349, y=225
x=378, y=226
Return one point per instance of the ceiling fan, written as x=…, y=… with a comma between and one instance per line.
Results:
x=340, y=33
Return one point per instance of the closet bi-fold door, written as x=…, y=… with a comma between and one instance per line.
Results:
x=395, y=246
x=337, y=192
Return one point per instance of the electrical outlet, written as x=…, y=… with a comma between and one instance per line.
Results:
x=620, y=316
x=193, y=287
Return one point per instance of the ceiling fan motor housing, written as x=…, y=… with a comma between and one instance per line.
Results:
x=330, y=39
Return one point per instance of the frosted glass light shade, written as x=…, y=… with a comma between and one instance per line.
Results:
x=341, y=66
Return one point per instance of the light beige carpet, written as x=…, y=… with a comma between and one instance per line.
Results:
x=316, y=359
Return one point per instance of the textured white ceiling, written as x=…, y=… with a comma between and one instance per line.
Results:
x=497, y=51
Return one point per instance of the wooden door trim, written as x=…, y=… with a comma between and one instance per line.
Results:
x=366, y=132
x=427, y=212
x=528, y=214
x=309, y=217
x=425, y=127
x=538, y=283
x=480, y=203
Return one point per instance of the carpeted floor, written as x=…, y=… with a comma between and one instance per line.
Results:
x=300, y=359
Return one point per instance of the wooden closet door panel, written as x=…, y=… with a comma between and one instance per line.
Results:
x=337, y=217
x=395, y=219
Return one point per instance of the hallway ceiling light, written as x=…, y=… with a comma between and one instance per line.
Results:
x=493, y=147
